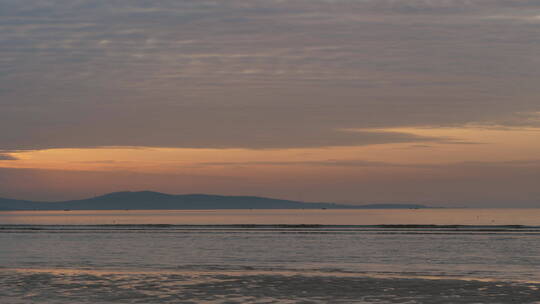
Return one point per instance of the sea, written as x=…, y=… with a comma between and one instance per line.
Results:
x=271, y=256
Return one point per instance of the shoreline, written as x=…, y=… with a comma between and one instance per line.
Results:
x=251, y=271
x=65, y=286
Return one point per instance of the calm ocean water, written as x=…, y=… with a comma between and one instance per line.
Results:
x=257, y=256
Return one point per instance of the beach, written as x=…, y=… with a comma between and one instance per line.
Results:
x=79, y=257
x=58, y=286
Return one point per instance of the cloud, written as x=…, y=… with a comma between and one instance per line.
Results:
x=329, y=163
x=522, y=18
x=351, y=163
x=4, y=156
x=102, y=162
x=517, y=121
x=209, y=136
x=258, y=74
x=512, y=163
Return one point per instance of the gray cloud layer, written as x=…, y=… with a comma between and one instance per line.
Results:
x=262, y=73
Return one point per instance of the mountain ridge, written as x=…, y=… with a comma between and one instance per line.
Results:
x=151, y=200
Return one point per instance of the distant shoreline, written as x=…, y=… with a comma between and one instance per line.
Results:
x=149, y=200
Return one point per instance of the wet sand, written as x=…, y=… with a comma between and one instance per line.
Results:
x=88, y=287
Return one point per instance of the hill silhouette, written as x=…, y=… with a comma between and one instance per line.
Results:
x=149, y=200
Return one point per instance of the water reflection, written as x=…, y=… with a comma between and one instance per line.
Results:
x=529, y=217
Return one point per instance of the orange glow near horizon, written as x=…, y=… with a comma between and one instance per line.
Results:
x=467, y=144
x=474, y=161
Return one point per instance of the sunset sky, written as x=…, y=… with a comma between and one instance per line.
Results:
x=351, y=101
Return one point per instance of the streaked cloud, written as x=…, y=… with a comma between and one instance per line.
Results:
x=364, y=163
x=175, y=73
x=191, y=136
x=5, y=156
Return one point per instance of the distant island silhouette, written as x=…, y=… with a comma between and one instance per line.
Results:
x=150, y=200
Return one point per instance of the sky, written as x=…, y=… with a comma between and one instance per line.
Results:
x=350, y=101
